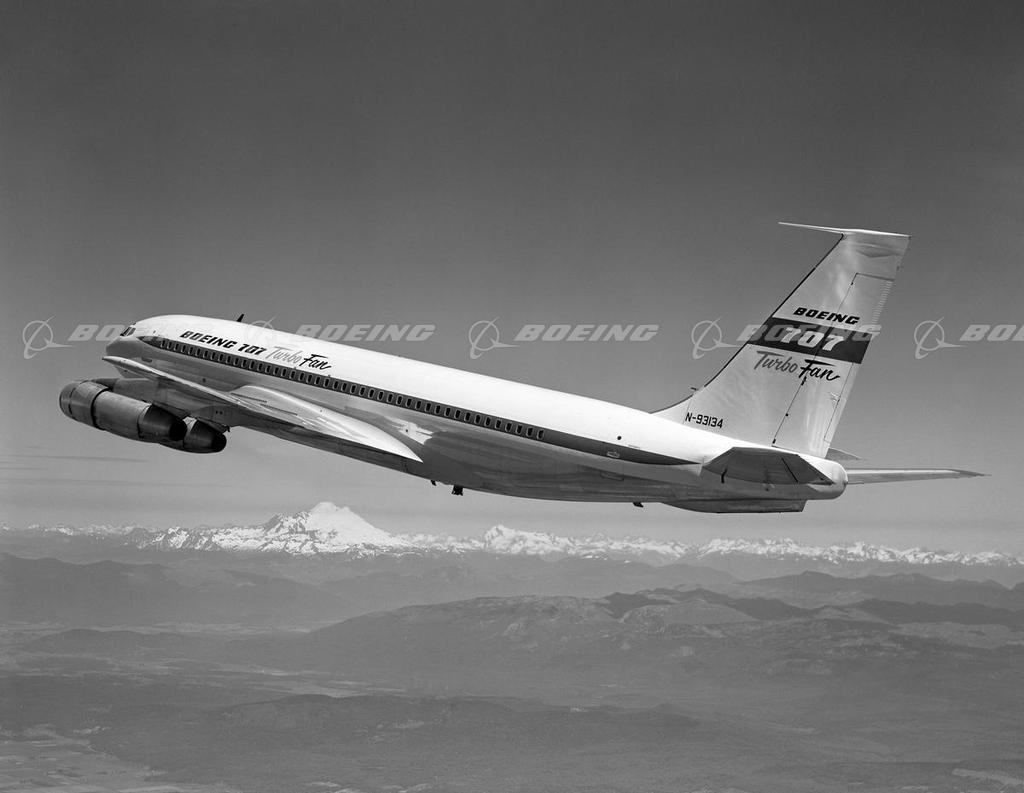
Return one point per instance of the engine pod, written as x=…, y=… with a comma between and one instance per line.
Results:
x=200, y=438
x=93, y=403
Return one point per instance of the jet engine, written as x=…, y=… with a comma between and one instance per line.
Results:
x=200, y=438
x=95, y=404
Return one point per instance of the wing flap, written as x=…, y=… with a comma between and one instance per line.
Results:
x=866, y=476
x=285, y=409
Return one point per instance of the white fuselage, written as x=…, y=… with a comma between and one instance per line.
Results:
x=467, y=429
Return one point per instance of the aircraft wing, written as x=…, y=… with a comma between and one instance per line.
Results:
x=864, y=476
x=285, y=409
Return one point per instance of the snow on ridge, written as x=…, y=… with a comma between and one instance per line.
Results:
x=503, y=540
x=92, y=530
x=786, y=548
x=327, y=528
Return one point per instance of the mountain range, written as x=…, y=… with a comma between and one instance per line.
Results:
x=327, y=529
x=667, y=644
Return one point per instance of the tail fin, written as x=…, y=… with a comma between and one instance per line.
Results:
x=789, y=382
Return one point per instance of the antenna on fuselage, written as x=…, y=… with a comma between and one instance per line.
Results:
x=240, y=316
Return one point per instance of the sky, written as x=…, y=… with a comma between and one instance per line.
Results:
x=444, y=163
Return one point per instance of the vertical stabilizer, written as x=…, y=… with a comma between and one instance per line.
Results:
x=789, y=382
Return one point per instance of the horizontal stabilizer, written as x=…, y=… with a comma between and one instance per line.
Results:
x=847, y=232
x=839, y=456
x=866, y=476
x=767, y=466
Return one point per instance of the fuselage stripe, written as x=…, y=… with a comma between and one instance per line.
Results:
x=417, y=404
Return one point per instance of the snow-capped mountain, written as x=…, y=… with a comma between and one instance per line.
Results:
x=324, y=529
x=329, y=529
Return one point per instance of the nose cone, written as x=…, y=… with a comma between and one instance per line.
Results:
x=122, y=345
x=121, y=348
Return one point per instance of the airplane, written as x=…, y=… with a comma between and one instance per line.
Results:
x=756, y=438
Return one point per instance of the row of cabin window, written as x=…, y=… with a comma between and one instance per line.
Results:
x=399, y=400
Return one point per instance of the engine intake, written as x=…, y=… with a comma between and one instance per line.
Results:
x=92, y=402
